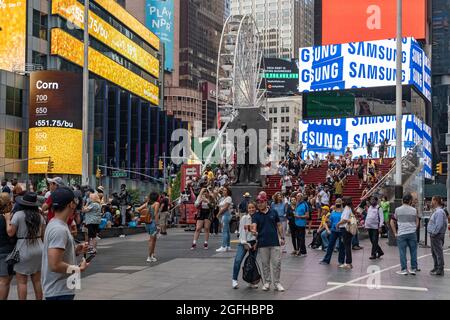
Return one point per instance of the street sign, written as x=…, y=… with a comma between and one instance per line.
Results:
x=119, y=174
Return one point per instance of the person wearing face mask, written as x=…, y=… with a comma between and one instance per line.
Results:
x=373, y=223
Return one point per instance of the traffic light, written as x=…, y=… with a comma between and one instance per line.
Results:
x=161, y=165
x=50, y=165
x=98, y=174
x=439, y=168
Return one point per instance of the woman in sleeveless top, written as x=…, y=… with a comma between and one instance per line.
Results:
x=152, y=227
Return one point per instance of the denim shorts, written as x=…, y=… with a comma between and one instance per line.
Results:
x=151, y=228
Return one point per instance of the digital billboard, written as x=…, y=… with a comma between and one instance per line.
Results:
x=73, y=11
x=13, y=19
x=71, y=49
x=366, y=20
x=335, y=135
x=363, y=65
x=159, y=19
x=281, y=75
x=55, y=111
x=131, y=22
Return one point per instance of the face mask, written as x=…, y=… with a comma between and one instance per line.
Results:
x=338, y=206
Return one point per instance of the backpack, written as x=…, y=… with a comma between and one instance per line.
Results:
x=352, y=226
x=250, y=270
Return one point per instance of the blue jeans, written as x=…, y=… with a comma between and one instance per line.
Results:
x=335, y=236
x=240, y=255
x=68, y=297
x=226, y=238
x=407, y=240
x=324, y=236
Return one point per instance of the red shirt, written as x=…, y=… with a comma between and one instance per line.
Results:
x=51, y=213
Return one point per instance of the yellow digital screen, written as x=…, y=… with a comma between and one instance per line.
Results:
x=73, y=11
x=13, y=16
x=70, y=48
x=63, y=145
x=131, y=22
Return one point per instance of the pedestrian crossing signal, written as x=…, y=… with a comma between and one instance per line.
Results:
x=98, y=174
x=161, y=165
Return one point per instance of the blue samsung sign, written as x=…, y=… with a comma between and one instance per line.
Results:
x=363, y=65
x=159, y=19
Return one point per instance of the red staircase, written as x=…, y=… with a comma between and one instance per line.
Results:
x=318, y=175
x=352, y=189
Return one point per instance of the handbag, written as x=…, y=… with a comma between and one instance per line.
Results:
x=14, y=257
x=352, y=226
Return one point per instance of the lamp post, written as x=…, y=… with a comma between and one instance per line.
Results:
x=85, y=166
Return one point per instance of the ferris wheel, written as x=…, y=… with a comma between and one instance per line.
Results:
x=239, y=67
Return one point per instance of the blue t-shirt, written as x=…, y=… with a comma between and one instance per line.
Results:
x=301, y=210
x=280, y=208
x=267, y=228
x=334, y=219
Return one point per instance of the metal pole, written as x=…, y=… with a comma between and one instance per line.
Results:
x=399, y=93
x=85, y=166
x=165, y=172
x=448, y=154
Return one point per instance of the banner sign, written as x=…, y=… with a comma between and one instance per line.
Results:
x=55, y=122
x=188, y=171
x=159, y=18
x=363, y=65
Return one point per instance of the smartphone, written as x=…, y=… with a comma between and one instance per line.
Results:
x=89, y=259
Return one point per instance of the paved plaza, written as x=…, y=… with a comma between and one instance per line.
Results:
x=120, y=271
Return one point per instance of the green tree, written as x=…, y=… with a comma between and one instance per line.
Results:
x=135, y=196
x=176, y=187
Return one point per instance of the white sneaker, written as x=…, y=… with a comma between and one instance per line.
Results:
x=98, y=238
x=149, y=259
x=228, y=248
x=266, y=286
x=235, y=284
x=402, y=272
x=221, y=249
x=279, y=287
x=253, y=286
x=342, y=265
x=153, y=259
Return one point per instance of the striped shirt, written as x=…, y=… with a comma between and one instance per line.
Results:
x=406, y=219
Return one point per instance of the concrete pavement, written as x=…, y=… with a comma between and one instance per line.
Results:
x=120, y=271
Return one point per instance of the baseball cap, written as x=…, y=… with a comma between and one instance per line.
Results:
x=326, y=208
x=57, y=180
x=61, y=197
x=247, y=195
x=338, y=201
x=262, y=197
x=100, y=189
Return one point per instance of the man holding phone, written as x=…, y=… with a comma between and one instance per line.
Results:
x=59, y=265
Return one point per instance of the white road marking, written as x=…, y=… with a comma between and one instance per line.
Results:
x=130, y=268
x=375, y=287
x=357, y=279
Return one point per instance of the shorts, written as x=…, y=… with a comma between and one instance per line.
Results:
x=151, y=229
x=203, y=216
x=163, y=218
x=93, y=230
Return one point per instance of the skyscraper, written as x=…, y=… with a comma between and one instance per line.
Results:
x=285, y=25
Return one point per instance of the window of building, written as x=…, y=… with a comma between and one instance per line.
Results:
x=275, y=120
x=287, y=109
x=40, y=22
x=282, y=119
x=40, y=59
x=14, y=97
x=13, y=144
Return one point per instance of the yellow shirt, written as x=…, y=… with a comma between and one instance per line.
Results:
x=210, y=175
x=324, y=220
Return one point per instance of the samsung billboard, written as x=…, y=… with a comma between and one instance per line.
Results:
x=335, y=135
x=363, y=65
x=159, y=19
